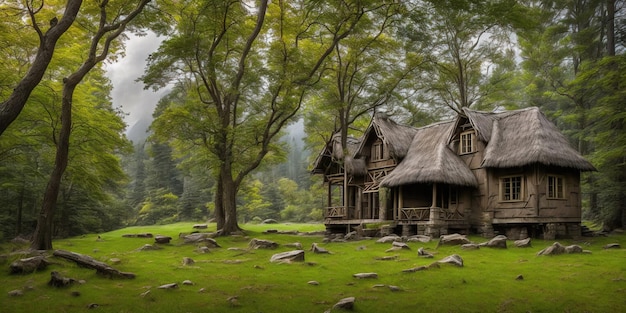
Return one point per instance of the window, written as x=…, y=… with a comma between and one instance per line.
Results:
x=454, y=195
x=511, y=188
x=467, y=143
x=377, y=151
x=555, y=187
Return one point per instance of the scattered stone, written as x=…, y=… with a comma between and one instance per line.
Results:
x=556, y=248
x=202, y=290
x=419, y=238
x=259, y=267
x=56, y=280
x=145, y=293
x=415, y=269
x=423, y=253
x=470, y=246
x=142, y=235
x=519, y=277
x=82, y=281
x=269, y=221
x=233, y=301
x=496, y=242
x=393, y=249
x=203, y=238
x=16, y=293
x=359, y=248
x=75, y=293
x=162, y=239
x=296, y=245
x=390, y=238
x=394, y=288
x=313, y=282
x=288, y=257
x=454, y=259
x=353, y=235
x=317, y=249
x=188, y=261
x=29, y=265
x=262, y=244
x=203, y=249
x=92, y=305
x=345, y=304
x=379, y=286
x=200, y=226
x=149, y=247
x=573, y=249
x=187, y=282
x=522, y=243
x=452, y=240
x=168, y=286
x=95, y=250
x=401, y=245
x=612, y=246
x=387, y=258
x=365, y=275
x=115, y=261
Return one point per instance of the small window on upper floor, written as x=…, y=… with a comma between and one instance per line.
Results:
x=378, y=152
x=466, y=144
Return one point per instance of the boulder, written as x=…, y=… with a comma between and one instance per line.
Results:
x=200, y=226
x=573, y=249
x=204, y=238
x=142, y=235
x=365, y=275
x=423, y=253
x=470, y=246
x=28, y=265
x=162, y=239
x=353, y=235
x=148, y=247
x=168, y=286
x=317, y=249
x=269, y=221
x=262, y=244
x=16, y=293
x=345, y=304
x=288, y=257
x=452, y=240
x=496, y=242
x=556, y=248
x=419, y=238
x=400, y=245
x=188, y=261
x=390, y=238
x=296, y=245
x=522, y=243
x=56, y=280
x=612, y=246
x=454, y=259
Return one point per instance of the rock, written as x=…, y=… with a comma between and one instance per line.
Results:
x=75, y=293
x=288, y=257
x=387, y=258
x=56, y=280
x=168, y=286
x=423, y=253
x=148, y=247
x=16, y=293
x=353, y=235
x=390, y=238
x=345, y=304
x=365, y=275
x=145, y=293
x=394, y=288
x=28, y=265
x=204, y=238
x=142, y=235
x=522, y=243
x=262, y=244
x=612, y=246
x=296, y=245
x=115, y=261
x=556, y=248
x=393, y=249
x=452, y=240
x=203, y=249
x=200, y=226
x=454, y=259
x=187, y=282
x=496, y=242
x=92, y=305
x=162, y=239
x=313, y=282
x=269, y=221
x=470, y=246
x=317, y=249
x=188, y=261
x=573, y=249
x=415, y=269
x=401, y=245
x=519, y=277
x=419, y=238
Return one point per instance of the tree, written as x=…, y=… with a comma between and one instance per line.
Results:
x=249, y=77
x=108, y=29
x=13, y=105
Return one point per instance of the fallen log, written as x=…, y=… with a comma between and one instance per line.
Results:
x=89, y=262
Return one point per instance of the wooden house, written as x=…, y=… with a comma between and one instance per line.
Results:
x=509, y=173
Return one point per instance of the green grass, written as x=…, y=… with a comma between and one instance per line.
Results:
x=567, y=283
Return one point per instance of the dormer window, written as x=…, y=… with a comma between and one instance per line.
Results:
x=378, y=152
x=466, y=144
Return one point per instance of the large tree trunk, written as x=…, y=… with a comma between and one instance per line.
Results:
x=11, y=108
x=229, y=200
x=42, y=239
x=219, y=203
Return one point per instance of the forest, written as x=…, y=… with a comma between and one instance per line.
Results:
x=242, y=74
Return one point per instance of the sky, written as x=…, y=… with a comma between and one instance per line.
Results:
x=129, y=94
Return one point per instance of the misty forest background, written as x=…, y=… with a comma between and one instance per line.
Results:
x=313, y=68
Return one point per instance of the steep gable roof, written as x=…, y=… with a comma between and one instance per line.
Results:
x=523, y=137
x=333, y=151
x=395, y=136
x=430, y=160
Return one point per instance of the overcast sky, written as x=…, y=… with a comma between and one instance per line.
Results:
x=127, y=93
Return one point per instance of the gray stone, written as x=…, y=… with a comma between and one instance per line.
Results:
x=365, y=275
x=423, y=253
x=269, y=221
x=204, y=238
x=522, y=243
x=288, y=257
x=296, y=245
x=496, y=242
x=115, y=261
x=452, y=240
x=317, y=249
x=454, y=259
x=345, y=304
x=188, y=261
x=401, y=245
x=612, y=246
x=187, y=282
x=419, y=238
x=556, y=248
x=313, y=282
x=573, y=249
x=470, y=246
x=394, y=288
x=519, y=277
x=16, y=293
x=162, y=239
x=390, y=238
x=149, y=247
x=168, y=286
x=262, y=244
x=200, y=226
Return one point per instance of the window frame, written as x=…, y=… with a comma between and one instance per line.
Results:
x=560, y=182
x=378, y=151
x=502, y=186
x=464, y=143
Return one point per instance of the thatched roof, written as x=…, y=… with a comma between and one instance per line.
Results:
x=396, y=137
x=430, y=160
x=524, y=137
x=333, y=151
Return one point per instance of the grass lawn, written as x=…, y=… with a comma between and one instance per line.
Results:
x=229, y=280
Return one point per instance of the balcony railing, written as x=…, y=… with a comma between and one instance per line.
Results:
x=414, y=214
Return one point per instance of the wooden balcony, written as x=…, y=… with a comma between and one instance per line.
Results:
x=336, y=212
x=414, y=214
